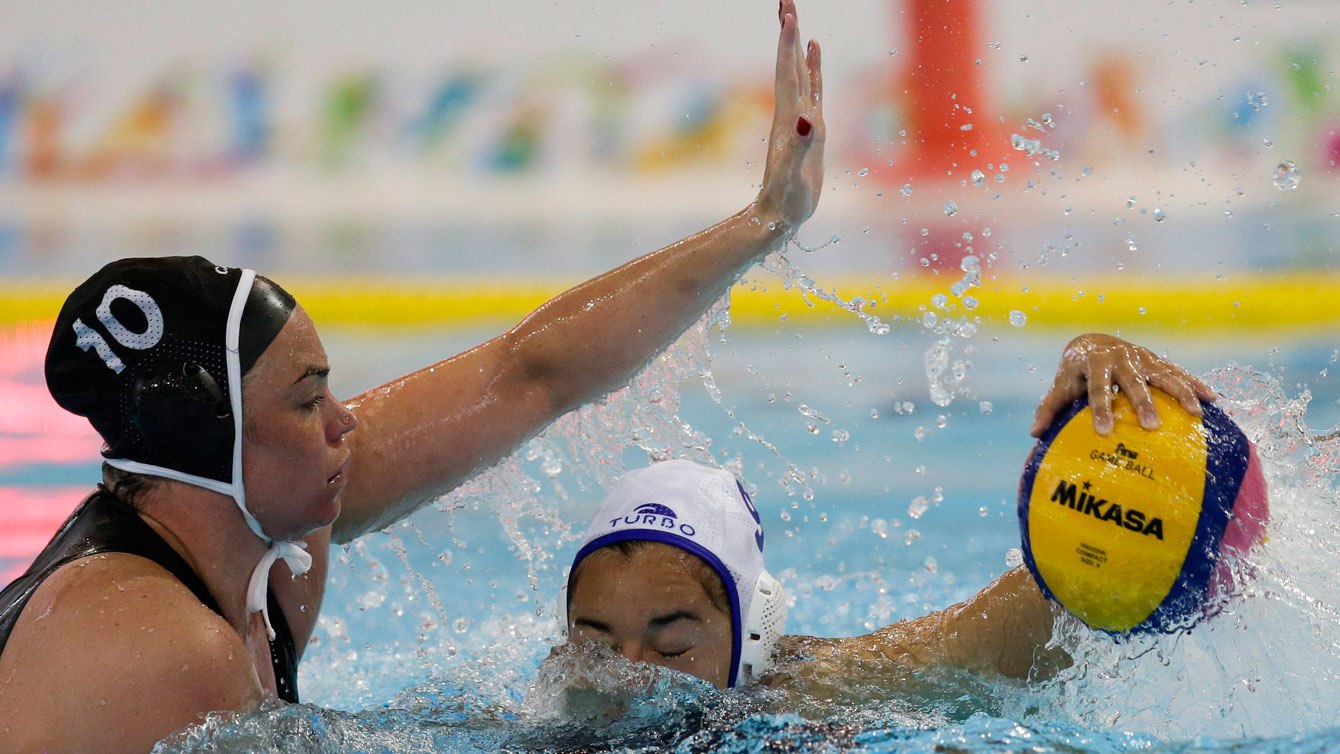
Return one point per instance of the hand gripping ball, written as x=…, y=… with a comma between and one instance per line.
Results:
x=1129, y=531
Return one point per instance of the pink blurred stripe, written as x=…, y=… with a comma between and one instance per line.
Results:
x=28, y=518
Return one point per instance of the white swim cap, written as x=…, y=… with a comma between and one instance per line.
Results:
x=706, y=512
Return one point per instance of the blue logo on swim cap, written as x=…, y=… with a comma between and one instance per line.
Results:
x=654, y=516
x=655, y=509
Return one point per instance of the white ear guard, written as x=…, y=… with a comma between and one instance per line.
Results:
x=561, y=609
x=763, y=627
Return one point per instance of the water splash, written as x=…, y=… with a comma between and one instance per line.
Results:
x=778, y=264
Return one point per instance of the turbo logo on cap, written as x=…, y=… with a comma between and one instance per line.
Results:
x=654, y=515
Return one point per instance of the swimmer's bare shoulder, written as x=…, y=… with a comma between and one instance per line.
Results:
x=127, y=645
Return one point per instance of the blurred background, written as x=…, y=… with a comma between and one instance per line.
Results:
x=1001, y=175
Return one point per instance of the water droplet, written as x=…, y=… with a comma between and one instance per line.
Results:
x=919, y=505
x=985, y=407
x=906, y=190
x=810, y=413
x=951, y=209
x=874, y=413
x=1014, y=557
x=939, y=300
x=1018, y=318
x=1287, y=176
x=1257, y=100
x=1159, y=215
x=978, y=178
x=841, y=435
x=1032, y=147
x=970, y=302
x=863, y=172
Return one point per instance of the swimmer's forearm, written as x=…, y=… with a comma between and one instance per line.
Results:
x=1005, y=629
x=592, y=338
x=422, y=435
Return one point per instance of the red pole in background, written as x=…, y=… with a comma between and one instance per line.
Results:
x=951, y=129
x=951, y=125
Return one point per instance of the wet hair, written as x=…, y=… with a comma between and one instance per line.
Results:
x=705, y=573
x=128, y=487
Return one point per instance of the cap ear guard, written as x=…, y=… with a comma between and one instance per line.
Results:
x=174, y=401
x=763, y=627
x=561, y=610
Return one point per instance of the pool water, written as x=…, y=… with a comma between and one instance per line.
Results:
x=879, y=505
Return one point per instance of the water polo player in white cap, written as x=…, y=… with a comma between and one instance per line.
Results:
x=671, y=570
x=191, y=581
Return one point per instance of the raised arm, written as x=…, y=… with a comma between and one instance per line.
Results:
x=421, y=435
x=1093, y=364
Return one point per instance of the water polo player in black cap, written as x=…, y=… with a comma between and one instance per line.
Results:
x=162, y=598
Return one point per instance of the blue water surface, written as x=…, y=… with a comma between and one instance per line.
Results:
x=879, y=505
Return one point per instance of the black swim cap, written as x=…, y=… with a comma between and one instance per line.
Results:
x=140, y=350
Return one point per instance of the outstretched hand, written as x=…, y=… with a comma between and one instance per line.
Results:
x=793, y=175
x=1092, y=364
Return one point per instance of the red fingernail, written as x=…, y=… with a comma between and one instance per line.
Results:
x=803, y=126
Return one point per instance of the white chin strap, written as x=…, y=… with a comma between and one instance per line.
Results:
x=293, y=553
